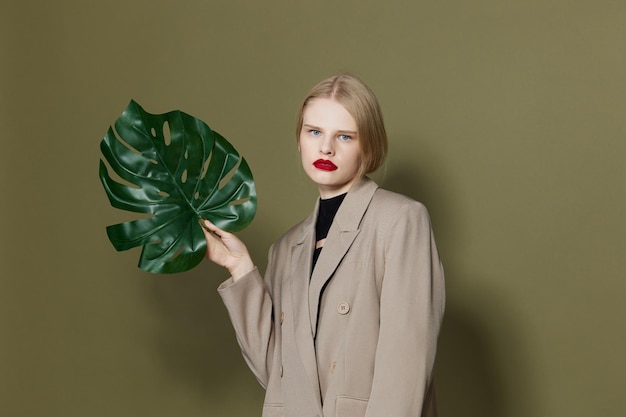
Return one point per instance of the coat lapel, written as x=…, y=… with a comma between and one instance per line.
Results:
x=341, y=235
x=305, y=294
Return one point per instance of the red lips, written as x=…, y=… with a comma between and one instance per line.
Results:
x=324, y=165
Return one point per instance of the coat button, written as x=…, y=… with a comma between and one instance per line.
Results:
x=343, y=308
x=282, y=317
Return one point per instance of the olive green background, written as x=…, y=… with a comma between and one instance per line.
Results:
x=506, y=118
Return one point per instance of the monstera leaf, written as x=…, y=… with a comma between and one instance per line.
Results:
x=175, y=169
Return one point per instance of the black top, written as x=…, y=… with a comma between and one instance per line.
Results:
x=326, y=213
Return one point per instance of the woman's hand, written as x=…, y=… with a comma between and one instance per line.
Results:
x=225, y=249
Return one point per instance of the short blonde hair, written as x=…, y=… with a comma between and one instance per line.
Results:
x=361, y=103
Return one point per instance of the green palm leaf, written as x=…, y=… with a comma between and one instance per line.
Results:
x=176, y=170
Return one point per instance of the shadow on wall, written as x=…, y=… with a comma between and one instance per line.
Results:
x=468, y=381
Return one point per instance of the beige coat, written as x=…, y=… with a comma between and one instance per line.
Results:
x=358, y=338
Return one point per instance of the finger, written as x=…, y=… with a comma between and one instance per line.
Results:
x=211, y=228
x=205, y=224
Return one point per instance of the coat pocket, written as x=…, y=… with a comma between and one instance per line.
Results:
x=350, y=407
x=273, y=410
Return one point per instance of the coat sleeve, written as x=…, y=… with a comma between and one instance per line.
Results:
x=250, y=308
x=412, y=303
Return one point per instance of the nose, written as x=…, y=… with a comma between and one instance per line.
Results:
x=326, y=146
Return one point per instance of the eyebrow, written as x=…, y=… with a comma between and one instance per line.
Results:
x=308, y=126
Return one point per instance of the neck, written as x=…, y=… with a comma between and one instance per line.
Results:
x=330, y=192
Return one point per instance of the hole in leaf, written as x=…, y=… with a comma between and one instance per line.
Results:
x=205, y=168
x=196, y=195
x=154, y=161
x=239, y=202
x=183, y=178
x=126, y=144
x=167, y=133
x=187, y=154
x=164, y=194
x=153, y=132
x=116, y=178
x=230, y=174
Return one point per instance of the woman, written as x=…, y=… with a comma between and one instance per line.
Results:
x=345, y=322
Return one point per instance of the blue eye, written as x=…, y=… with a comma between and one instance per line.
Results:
x=344, y=137
x=314, y=132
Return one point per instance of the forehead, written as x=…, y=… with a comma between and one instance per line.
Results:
x=328, y=113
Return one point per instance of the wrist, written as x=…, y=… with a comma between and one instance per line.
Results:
x=242, y=268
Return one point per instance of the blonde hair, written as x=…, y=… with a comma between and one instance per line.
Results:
x=361, y=103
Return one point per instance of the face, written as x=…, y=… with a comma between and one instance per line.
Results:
x=329, y=146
